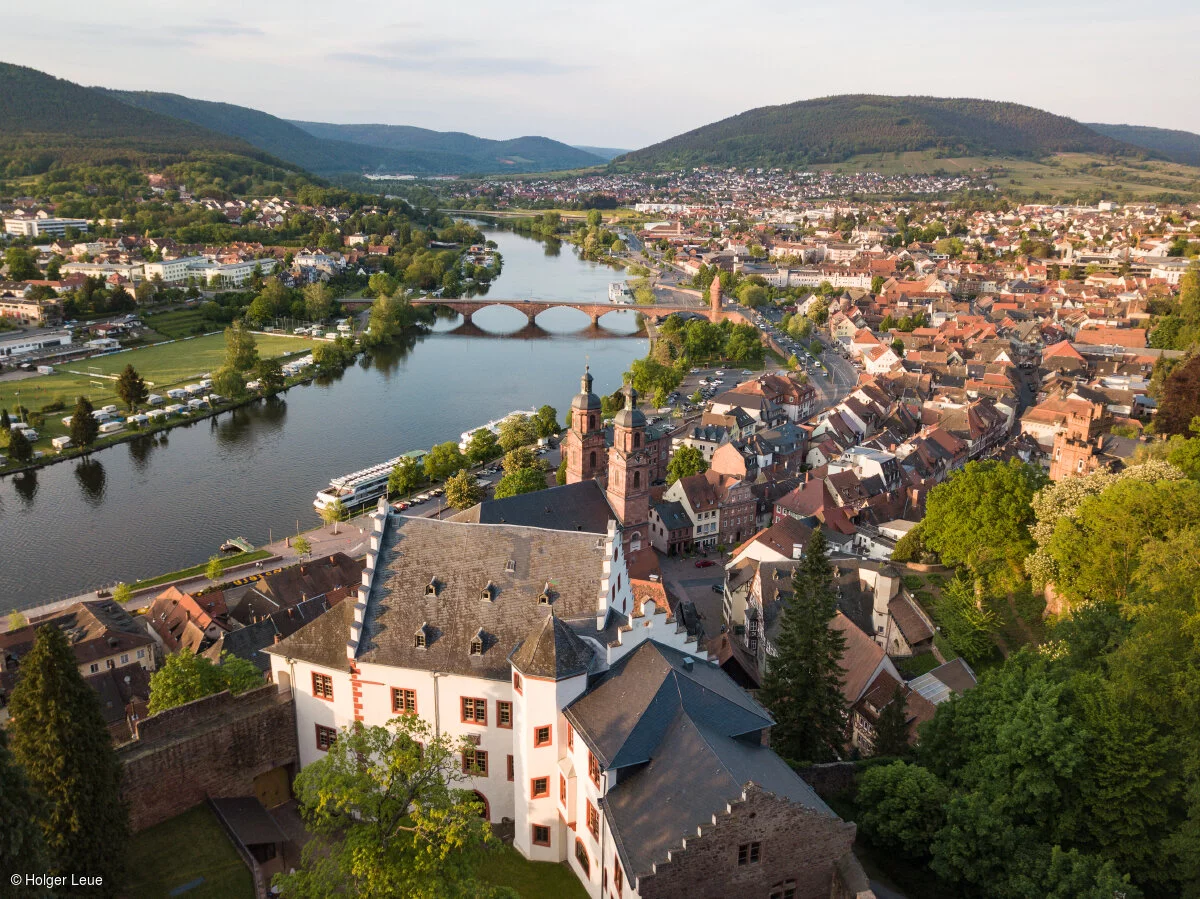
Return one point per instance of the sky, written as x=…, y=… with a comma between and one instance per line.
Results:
x=617, y=74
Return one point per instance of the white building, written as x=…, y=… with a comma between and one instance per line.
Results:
x=28, y=343
x=41, y=224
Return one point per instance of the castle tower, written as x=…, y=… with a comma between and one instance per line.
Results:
x=714, y=297
x=629, y=476
x=584, y=443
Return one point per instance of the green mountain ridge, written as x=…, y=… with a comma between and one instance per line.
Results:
x=1178, y=146
x=46, y=121
x=520, y=154
x=832, y=129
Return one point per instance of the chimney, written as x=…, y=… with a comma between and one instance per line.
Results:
x=277, y=638
x=687, y=663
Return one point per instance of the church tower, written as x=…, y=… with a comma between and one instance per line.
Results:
x=629, y=476
x=584, y=443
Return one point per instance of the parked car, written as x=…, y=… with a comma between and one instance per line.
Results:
x=718, y=588
x=705, y=563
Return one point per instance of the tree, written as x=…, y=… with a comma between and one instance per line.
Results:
x=318, y=301
x=21, y=844
x=60, y=740
x=269, y=373
x=461, y=490
x=964, y=620
x=1180, y=401
x=546, y=421
x=19, y=446
x=215, y=568
x=391, y=818
x=334, y=513
x=84, y=427
x=405, y=477
x=241, y=350
x=517, y=430
x=22, y=264
x=16, y=620
x=560, y=476
x=685, y=462
x=186, y=677
x=520, y=458
x=301, y=545
x=229, y=382
x=482, y=447
x=981, y=517
x=752, y=295
x=131, y=388
x=891, y=729
x=443, y=460
x=902, y=807
x=122, y=593
x=522, y=480
x=802, y=687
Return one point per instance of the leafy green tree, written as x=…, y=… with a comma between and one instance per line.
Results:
x=215, y=568
x=318, y=301
x=802, y=688
x=560, y=476
x=241, y=350
x=405, y=477
x=1180, y=402
x=461, y=490
x=84, y=427
x=685, y=462
x=22, y=264
x=122, y=593
x=16, y=620
x=229, y=382
x=546, y=421
x=186, y=677
x=58, y=737
x=443, y=460
x=981, y=516
x=482, y=447
x=334, y=513
x=964, y=619
x=891, y=729
x=269, y=373
x=21, y=844
x=517, y=430
x=902, y=807
x=19, y=447
x=522, y=480
x=392, y=820
x=752, y=295
x=131, y=388
x=302, y=546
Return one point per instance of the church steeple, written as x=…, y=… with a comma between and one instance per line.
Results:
x=628, y=488
x=584, y=443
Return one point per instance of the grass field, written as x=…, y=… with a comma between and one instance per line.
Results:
x=163, y=367
x=177, y=323
x=197, y=570
x=182, y=850
x=531, y=880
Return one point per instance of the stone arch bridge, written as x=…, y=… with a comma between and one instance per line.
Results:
x=533, y=308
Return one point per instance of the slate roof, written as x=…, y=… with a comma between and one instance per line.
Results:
x=673, y=516
x=571, y=507
x=663, y=716
x=459, y=559
x=553, y=650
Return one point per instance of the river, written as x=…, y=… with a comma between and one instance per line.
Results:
x=163, y=503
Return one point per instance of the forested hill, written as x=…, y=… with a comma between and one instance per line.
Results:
x=833, y=129
x=281, y=138
x=46, y=121
x=520, y=154
x=1177, y=146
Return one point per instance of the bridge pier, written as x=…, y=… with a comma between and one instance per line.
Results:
x=595, y=319
x=466, y=314
x=532, y=316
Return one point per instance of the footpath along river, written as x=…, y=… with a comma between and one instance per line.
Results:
x=160, y=504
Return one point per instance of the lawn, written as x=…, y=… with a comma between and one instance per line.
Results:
x=197, y=570
x=178, y=323
x=531, y=880
x=182, y=850
x=163, y=366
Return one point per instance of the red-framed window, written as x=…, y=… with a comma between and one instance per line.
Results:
x=618, y=876
x=512, y=774
x=475, y=762
x=570, y=737
x=581, y=856
x=543, y=736
x=541, y=835
x=593, y=768
x=593, y=820
x=474, y=711
x=516, y=682
x=326, y=736
x=322, y=686
x=562, y=789
x=503, y=714
x=404, y=702
x=539, y=788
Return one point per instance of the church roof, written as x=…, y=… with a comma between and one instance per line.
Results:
x=571, y=507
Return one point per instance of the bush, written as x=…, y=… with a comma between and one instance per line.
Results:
x=903, y=807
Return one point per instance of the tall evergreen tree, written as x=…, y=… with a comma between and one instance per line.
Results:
x=19, y=446
x=59, y=738
x=21, y=846
x=891, y=730
x=131, y=388
x=84, y=426
x=803, y=685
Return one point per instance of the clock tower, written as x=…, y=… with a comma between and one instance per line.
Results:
x=584, y=443
x=629, y=476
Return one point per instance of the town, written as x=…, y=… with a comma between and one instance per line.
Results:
x=815, y=532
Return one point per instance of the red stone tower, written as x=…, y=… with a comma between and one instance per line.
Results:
x=714, y=297
x=629, y=476
x=584, y=443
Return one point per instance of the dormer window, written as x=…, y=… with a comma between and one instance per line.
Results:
x=546, y=596
x=510, y=566
x=488, y=593
x=421, y=638
x=477, y=643
x=431, y=589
